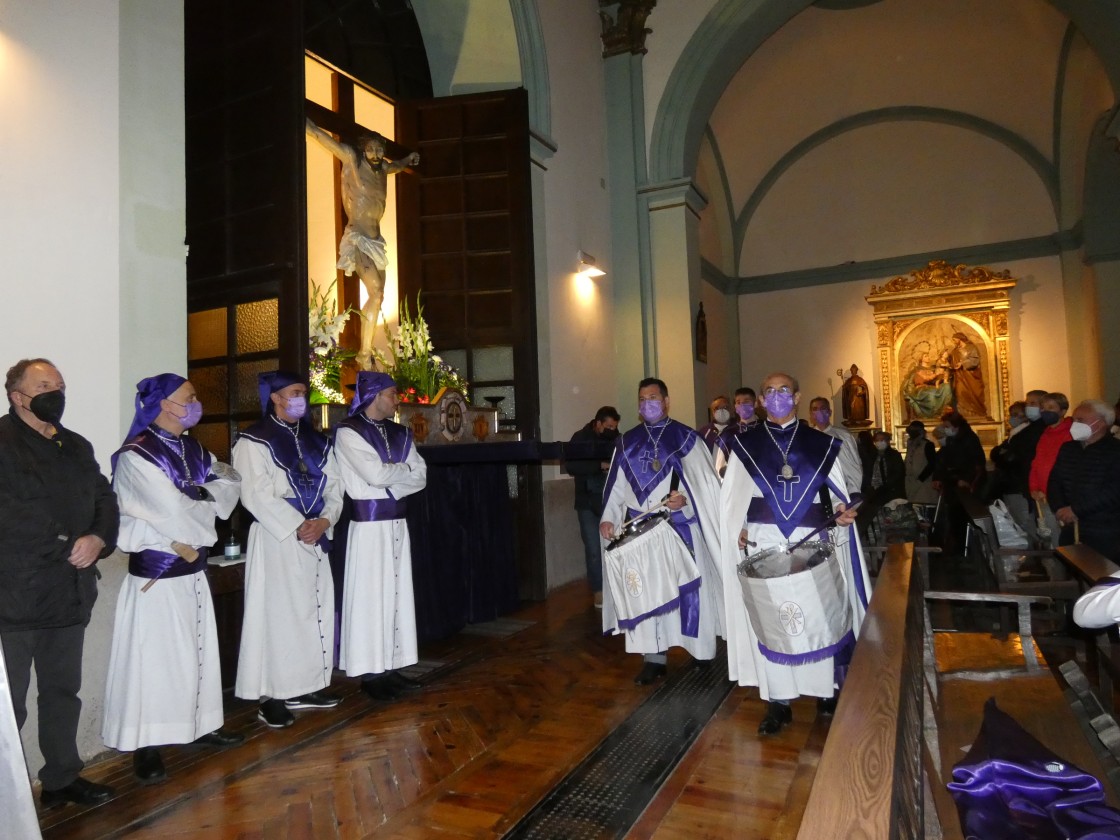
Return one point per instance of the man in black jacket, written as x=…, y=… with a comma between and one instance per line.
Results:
x=1084, y=485
x=60, y=518
x=591, y=475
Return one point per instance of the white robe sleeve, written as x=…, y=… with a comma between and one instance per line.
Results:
x=262, y=492
x=1099, y=607
x=615, y=501
x=332, y=492
x=361, y=459
x=153, y=511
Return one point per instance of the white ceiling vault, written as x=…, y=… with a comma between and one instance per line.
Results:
x=869, y=131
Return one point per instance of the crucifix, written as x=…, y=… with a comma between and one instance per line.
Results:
x=649, y=463
x=787, y=482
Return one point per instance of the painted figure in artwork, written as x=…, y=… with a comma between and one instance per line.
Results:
x=363, y=250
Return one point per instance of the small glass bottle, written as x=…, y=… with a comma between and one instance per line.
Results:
x=232, y=547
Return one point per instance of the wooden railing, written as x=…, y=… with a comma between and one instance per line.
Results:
x=869, y=780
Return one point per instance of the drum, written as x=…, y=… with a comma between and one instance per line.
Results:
x=648, y=571
x=797, y=601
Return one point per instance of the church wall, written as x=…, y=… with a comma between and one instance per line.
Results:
x=812, y=332
x=471, y=45
x=574, y=313
x=721, y=372
x=91, y=144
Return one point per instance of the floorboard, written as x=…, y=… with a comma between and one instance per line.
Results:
x=506, y=712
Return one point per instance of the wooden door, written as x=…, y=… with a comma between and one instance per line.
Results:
x=466, y=248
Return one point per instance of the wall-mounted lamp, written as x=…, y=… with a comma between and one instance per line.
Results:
x=587, y=266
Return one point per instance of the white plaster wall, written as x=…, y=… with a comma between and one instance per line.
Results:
x=91, y=140
x=721, y=373
x=574, y=314
x=891, y=189
x=810, y=333
x=471, y=44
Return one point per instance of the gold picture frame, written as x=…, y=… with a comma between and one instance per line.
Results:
x=942, y=340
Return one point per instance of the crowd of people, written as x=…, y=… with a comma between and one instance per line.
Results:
x=757, y=478
x=690, y=536
x=163, y=684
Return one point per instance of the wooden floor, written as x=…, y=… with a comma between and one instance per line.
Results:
x=499, y=723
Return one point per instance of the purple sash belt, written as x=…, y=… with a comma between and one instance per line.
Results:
x=760, y=513
x=162, y=564
x=378, y=510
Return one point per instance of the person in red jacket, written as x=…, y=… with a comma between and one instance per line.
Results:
x=1056, y=432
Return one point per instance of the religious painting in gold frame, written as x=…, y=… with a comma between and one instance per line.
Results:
x=943, y=340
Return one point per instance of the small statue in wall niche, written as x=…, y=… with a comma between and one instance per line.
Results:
x=363, y=250
x=856, y=400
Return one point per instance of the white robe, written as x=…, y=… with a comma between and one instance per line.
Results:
x=378, y=630
x=659, y=633
x=164, y=684
x=745, y=662
x=849, y=458
x=1099, y=606
x=287, y=638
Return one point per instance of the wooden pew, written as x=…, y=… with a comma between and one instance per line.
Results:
x=895, y=738
x=1102, y=649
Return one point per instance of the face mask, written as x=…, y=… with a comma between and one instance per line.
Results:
x=745, y=411
x=1016, y=420
x=1081, y=431
x=193, y=415
x=821, y=416
x=297, y=407
x=1033, y=412
x=881, y=445
x=1050, y=417
x=721, y=416
x=949, y=431
x=47, y=406
x=650, y=410
x=778, y=404
x=608, y=434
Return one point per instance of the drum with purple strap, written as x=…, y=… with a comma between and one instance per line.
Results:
x=646, y=569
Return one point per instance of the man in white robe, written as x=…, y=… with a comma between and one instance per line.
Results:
x=769, y=498
x=379, y=467
x=164, y=682
x=662, y=463
x=289, y=482
x=820, y=418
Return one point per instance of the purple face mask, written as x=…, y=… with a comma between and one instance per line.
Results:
x=650, y=410
x=297, y=407
x=821, y=416
x=777, y=404
x=745, y=411
x=193, y=415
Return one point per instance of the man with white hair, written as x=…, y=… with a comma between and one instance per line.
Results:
x=1084, y=485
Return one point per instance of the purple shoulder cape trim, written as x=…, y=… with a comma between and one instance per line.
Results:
x=400, y=438
x=635, y=455
x=159, y=450
x=307, y=486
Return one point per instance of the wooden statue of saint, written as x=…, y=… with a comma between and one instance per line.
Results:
x=856, y=400
x=363, y=250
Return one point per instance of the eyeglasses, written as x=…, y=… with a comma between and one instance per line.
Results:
x=785, y=389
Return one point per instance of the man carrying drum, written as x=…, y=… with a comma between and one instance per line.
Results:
x=783, y=476
x=663, y=585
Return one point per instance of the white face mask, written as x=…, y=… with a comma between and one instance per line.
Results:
x=881, y=445
x=721, y=416
x=1081, y=431
x=1033, y=412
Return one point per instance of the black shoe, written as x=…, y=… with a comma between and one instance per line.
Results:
x=220, y=738
x=403, y=684
x=380, y=688
x=826, y=706
x=147, y=766
x=314, y=700
x=80, y=792
x=650, y=672
x=777, y=716
x=275, y=714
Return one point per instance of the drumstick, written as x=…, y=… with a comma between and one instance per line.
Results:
x=1043, y=530
x=827, y=524
x=185, y=551
x=641, y=516
x=1076, y=532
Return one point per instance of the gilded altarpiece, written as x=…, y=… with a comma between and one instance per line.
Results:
x=943, y=340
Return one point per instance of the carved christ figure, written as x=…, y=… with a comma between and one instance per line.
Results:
x=362, y=250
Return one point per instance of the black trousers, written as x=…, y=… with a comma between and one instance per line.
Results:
x=57, y=657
